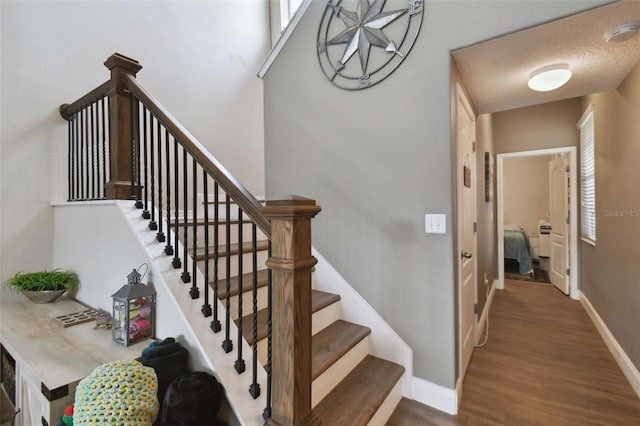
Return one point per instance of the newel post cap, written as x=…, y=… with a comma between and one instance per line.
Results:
x=118, y=60
x=290, y=207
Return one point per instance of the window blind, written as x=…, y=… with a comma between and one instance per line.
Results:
x=587, y=174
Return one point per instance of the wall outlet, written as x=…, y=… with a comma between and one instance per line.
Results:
x=435, y=223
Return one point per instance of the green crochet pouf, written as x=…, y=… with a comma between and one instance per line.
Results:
x=118, y=393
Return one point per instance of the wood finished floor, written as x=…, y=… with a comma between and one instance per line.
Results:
x=544, y=364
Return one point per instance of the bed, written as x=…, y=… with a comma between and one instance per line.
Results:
x=516, y=247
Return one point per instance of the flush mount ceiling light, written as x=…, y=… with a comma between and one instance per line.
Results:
x=549, y=78
x=622, y=32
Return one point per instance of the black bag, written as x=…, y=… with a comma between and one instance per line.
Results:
x=169, y=360
x=192, y=399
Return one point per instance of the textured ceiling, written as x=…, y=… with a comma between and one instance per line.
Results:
x=495, y=72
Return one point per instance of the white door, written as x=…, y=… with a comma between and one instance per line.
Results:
x=559, y=210
x=466, y=136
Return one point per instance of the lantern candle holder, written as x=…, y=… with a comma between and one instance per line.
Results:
x=134, y=310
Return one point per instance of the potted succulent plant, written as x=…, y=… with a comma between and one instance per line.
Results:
x=43, y=286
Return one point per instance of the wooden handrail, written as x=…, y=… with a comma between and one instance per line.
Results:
x=241, y=195
x=67, y=110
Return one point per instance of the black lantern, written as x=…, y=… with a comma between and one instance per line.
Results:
x=134, y=311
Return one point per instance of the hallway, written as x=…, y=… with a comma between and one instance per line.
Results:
x=544, y=364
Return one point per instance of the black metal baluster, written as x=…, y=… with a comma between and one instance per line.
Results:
x=82, y=115
x=185, y=273
x=215, y=323
x=139, y=203
x=132, y=109
x=194, y=292
x=109, y=138
x=254, y=388
x=227, y=345
x=168, y=249
x=87, y=147
x=76, y=145
x=93, y=141
x=145, y=212
x=104, y=148
x=160, y=234
x=266, y=414
x=177, y=264
x=70, y=154
x=206, y=307
x=97, y=176
x=96, y=152
x=240, y=365
x=152, y=225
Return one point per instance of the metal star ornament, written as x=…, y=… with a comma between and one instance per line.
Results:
x=382, y=38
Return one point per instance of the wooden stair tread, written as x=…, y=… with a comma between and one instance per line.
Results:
x=322, y=299
x=355, y=400
x=410, y=412
x=224, y=201
x=201, y=222
x=236, y=248
x=319, y=300
x=331, y=343
x=247, y=283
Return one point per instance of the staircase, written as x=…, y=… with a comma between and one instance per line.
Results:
x=215, y=247
x=350, y=386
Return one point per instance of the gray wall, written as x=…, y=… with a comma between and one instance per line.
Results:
x=551, y=125
x=526, y=191
x=610, y=270
x=379, y=159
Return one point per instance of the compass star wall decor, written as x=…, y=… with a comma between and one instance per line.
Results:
x=381, y=36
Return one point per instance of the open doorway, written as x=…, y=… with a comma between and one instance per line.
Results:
x=545, y=227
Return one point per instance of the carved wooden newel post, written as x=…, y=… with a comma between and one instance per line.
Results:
x=291, y=263
x=122, y=122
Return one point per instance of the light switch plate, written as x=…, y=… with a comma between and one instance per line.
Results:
x=435, y=223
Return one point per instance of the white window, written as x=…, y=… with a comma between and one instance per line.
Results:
x=287, y=10
x=588, y=175
x=281, y=12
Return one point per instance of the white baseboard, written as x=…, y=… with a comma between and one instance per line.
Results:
x=485, y=313
x=436, y=396
x=628, y=368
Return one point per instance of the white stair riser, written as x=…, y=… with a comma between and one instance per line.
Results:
x=247, y=302
x=247, y=265
x=328, y=380
x=387, y=407
x=325, y=317
x=222, y=234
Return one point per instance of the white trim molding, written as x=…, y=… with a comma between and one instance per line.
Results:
x=626, y=365
x=436, y=396
x=297, y=17
x=485, y=313
x=574, y=292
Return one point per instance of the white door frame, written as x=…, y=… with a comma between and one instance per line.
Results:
x=574, y=292
x=461, y=95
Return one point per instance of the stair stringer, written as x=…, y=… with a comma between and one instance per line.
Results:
x=247, y=410
x=384, y=341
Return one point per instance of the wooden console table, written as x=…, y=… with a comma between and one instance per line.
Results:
x=50, y=360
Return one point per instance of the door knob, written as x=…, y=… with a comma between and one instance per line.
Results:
x=466, y=255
